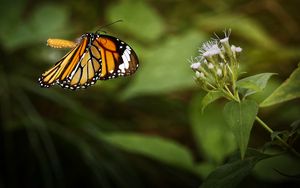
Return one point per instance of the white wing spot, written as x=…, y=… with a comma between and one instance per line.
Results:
x=122, y=68
x=126, y=60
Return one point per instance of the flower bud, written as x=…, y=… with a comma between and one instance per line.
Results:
x=200, y=75
x=210, y=66
x=219, y=72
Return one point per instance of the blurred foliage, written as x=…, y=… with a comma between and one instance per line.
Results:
x=146, y=130
x=165, y=63
x=148, y=22
x=154, y=147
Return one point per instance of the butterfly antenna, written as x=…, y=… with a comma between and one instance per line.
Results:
x=108, y=25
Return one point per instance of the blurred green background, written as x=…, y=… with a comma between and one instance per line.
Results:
x=145, y=130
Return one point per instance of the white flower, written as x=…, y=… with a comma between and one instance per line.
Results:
x=206, y=54
x=238, y=49
x=210, y=48
x=214, y=50
x=195, y=65
x=224, y=40
x=216, y=65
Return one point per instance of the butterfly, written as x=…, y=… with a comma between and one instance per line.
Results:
x=95, y=57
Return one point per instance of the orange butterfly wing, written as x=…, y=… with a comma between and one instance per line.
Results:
x=95, y=57
x=79, y=68
x=118, y=58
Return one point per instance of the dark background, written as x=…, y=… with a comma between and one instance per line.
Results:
x=145, y=130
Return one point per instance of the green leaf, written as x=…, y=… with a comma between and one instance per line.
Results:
x=154, y=147
x=253, y=84
x=165, y=67
x=210, y=97
x=240, y=117
x=278, y=168
x=214, y=139
x=231, y=174
x=140, y=19
x=270, y=87
x=288, y=90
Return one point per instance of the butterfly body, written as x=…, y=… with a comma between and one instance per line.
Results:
x=95, y=57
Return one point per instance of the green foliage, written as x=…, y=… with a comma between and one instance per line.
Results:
x=240, y=118
x=210, y=97
x=286, y=91
x=232, y=173
x=205, y=168
x=12, y=12
x=253, y=84
x=155, y=137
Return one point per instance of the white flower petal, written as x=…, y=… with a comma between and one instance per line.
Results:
x=210, y=48
x=224, y=40
x=195, y=65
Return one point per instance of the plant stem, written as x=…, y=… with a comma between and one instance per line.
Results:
x=264, y=125
x=231, y=95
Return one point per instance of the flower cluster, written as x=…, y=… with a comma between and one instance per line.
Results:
x=216, y=67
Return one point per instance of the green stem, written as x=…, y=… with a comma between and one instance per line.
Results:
x=264, y=125
x=231, y=95
x=234, y=79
